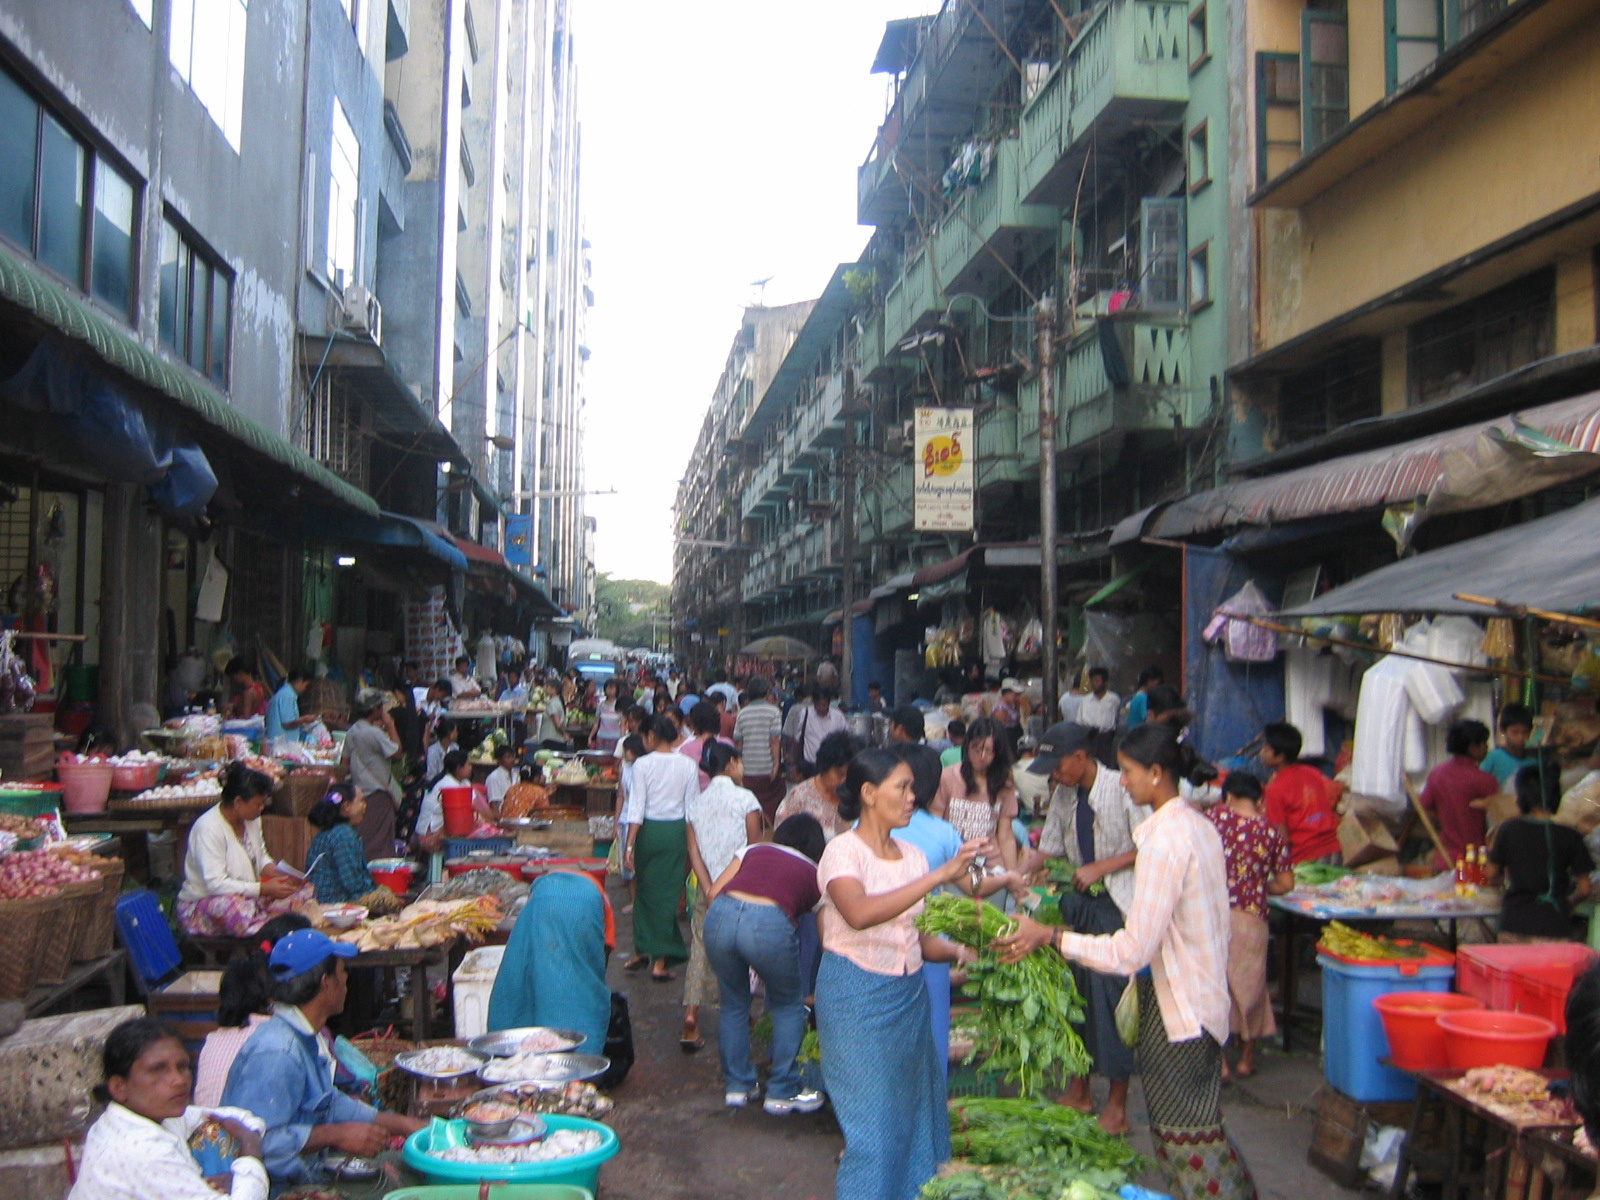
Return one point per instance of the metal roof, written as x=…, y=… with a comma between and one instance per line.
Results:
x=829, y=313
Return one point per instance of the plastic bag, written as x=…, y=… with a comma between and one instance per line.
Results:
x=1030, y=640
x=1127, y=1014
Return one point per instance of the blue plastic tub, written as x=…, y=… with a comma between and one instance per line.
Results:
x=497, y=1191
x=1352, y=1031
x=581, y=1170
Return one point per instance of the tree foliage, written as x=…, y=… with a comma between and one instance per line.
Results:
x=625, y=608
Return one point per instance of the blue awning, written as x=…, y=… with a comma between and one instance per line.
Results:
x=387, y=529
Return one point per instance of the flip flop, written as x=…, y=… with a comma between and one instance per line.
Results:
x=662, y=976
x=637, y=963
x=690, y=1045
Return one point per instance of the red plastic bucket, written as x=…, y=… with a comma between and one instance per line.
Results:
x=459, y=818
x=396, y=879
x=1411, y=1023
x=85, y=787
x=1489, y=1039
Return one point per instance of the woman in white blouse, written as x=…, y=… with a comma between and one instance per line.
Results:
x=231, y=887
x=664, y=782
x=723, y=820
x=140, y=1148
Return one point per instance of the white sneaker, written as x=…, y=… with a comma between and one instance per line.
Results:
x=807, y=1100
x=737, y=1099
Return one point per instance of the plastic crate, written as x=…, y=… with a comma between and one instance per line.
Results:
x=1352, y=1032
x=1534, y=979
x=966, y=1080
x=151, y=947
x=461, y=847
x=30, y=799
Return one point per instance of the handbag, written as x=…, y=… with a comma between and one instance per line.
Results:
x=619, y=1043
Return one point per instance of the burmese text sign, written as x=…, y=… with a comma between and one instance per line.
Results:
x=943, y=470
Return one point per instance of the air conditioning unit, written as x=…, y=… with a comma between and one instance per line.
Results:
x=362, y=314
x=902, y=440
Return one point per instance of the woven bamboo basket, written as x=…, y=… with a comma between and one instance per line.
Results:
x=52, y=953
x=22, y=924
x=96, y=939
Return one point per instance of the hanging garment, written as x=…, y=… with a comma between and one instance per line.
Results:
x=1241, y=641
x=1307, y=690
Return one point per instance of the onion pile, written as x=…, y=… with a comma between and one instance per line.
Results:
x=39, y=873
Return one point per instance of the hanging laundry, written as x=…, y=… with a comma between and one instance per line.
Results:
x=1241, y=641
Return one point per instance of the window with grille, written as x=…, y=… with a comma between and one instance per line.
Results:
x=1161, y=238
x=1325, y=50
x=1484, y=338
x=1346, y=385
x=336, y=432
x=1278, y=133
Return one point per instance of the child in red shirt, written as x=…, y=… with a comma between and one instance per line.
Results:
x=1299, y=800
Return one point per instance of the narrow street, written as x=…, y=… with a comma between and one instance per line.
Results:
x=680, y=1143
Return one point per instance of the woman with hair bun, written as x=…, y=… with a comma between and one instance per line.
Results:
x=231, y=886
x=338, y=861
x=1178, y=927
x=879, y=1061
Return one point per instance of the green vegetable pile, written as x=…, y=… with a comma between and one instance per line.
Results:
x=1031, y=1149
x=1025, y=1024
x=1309, y=875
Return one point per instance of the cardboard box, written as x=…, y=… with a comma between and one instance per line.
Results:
x=1365, y=837
x=1388, y=865
x=1500, y=809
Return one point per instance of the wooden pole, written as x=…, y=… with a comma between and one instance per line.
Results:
x=1422, y=815
x=1522, y=610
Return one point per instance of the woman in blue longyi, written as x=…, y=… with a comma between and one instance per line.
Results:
x=554, y=969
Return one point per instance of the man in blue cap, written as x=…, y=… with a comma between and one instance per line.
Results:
x=284, y=1073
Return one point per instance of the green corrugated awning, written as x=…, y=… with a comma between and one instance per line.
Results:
x=24, y=285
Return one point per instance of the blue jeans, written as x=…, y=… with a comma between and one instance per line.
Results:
x=741, y=937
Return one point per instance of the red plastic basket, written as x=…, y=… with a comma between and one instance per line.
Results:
x=1534, y=979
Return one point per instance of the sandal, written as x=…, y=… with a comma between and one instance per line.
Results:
x=690, y=1044
x=637, y=963
x=662, y=976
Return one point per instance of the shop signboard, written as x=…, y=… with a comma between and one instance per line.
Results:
x=942, y=472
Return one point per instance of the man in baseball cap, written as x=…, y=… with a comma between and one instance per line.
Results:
x=1091, y=826
x=284, y=1072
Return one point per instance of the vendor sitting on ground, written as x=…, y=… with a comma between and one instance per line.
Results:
x=139, y=1147
x=231, y=886
x=1457, y=789
x=1546, y=866
x=284, y=1073
x=244, y=1004
x=338, y=863
x=554, y=970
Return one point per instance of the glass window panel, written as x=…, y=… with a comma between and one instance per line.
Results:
x=209, y=74
x=1283, y=81
x=1411, y=57
x=195, y=345
x=171, y=312
x=230, y=114
x=1328, y=42
x=1416, y=18
x=61, y=200
x=111, y=277
x=19, y=143
x=220, y=292
x=180, y=47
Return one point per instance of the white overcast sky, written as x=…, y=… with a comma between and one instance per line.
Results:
x=720, y=146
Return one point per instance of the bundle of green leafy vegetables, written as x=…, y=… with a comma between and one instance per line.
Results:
x=1031, y=1150
x=1024, y=1027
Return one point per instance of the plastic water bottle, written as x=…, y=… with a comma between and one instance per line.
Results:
x=1130, y=1191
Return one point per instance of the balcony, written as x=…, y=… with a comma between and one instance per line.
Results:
x=986, y=227
x=997, y=448
x=1154, y=354
x=760, y=492
x=1128, y=67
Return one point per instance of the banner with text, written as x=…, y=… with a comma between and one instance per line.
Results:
x=943, y=470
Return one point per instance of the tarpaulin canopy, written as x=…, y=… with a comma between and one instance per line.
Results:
x=1551, y=563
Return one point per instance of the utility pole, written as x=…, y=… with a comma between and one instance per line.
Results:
x=847, y=534
x=1044, y=329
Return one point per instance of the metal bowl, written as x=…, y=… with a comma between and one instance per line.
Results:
x=519, y=1132
x=517, y=824
x=503, y=1043
x=484, y=1130
x=407, y=1061
x=545, y=1068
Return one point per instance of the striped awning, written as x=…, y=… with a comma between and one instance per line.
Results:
x=1373, y=479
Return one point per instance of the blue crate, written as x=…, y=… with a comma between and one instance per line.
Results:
x=151, y=947
x=461, y=847
x=1352, y=1032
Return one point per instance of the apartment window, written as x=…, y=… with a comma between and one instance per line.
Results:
x=1416, y=37
x=1325, y=50
x=344, y=199
x=50, y=181
x=196, y=302
x=1278, y=134
x=1469, y=16
x=1161, y=235
x=1199, y=42
x=1346, y=385
x=1200, y=276
x=1199, y=157
x=143, y=9
x=1482, y=339
x=207, y=51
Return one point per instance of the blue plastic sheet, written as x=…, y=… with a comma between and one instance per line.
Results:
x=126, y=439
x=1231, y=701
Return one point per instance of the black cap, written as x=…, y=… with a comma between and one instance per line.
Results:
x=1060, y=740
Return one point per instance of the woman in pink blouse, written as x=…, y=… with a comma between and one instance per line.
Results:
x=879, y=1062
x=976, y=795
x=1178, y=927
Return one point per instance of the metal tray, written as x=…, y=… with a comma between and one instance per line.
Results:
x=503, y=1043
x=406, y=1061
x=549, y=1068
x=517, y=824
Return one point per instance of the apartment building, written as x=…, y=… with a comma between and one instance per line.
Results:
x=233, y=340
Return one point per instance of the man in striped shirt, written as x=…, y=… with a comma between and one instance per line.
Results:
x=756, y=733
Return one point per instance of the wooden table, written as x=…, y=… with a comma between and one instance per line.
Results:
x=1569, y=1171
x=133, y=830
x=1299, y=920
x=113, y=967
x=1494, y=1154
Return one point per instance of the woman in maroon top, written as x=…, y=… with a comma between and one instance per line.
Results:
x=750, y=926
x=1457, y=789
x=1259, y=866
